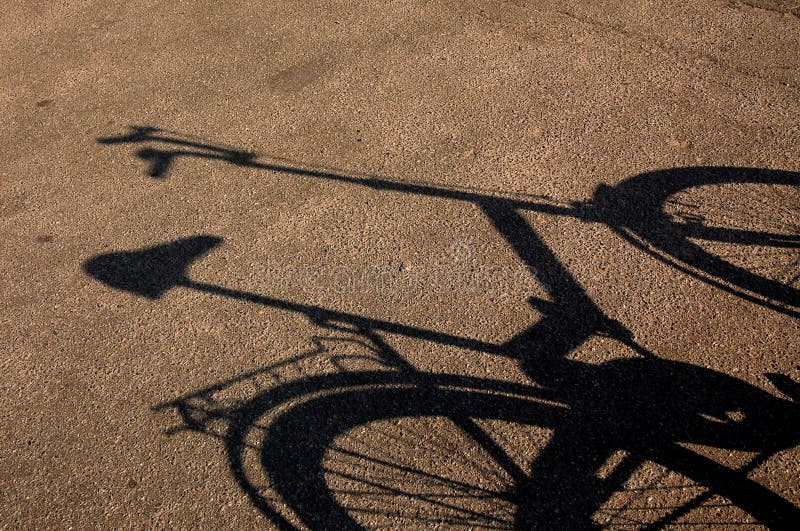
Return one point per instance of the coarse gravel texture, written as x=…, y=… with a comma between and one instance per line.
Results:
x=346, y=155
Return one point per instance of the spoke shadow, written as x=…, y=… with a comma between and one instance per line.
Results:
x=645, y=407
x=638, y=209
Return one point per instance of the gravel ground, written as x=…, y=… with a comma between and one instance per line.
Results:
x=399, y=264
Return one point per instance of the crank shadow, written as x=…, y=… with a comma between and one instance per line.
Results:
x=426, y=444
x=647, y=408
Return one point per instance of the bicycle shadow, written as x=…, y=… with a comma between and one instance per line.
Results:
x=631, y=411
x=635, y=209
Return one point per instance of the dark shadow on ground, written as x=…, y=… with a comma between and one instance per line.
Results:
x=645, y=407
x=641, y=209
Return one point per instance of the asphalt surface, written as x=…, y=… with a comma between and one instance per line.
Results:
x=405, y=264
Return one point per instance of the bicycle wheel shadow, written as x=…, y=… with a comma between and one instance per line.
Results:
x=379, y=444
x=645, y=407
x=737, y=229
x=440, y=451
x=658, y=410
x=660, y=212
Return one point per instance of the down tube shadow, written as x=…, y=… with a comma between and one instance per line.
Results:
x=644, y=407
x=744, y=238
x=640, y=412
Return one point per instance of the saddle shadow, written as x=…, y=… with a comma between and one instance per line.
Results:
x=646, y=407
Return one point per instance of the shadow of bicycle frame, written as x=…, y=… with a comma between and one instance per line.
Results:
x=645, y=406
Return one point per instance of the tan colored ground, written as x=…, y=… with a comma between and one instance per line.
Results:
x=443, y=105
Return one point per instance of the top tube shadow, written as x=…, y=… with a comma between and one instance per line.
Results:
x=645, y=405
x=642, y=210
